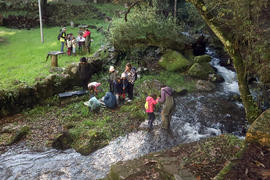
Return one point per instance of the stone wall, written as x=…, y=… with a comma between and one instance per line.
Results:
x=26, y=96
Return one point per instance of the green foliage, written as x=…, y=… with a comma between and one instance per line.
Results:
x=145, y=27
x=174, y=61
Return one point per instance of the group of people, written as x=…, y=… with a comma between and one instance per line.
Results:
x=121, y=90
x=75, y=44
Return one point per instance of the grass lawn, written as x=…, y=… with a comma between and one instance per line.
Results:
x=22, y=56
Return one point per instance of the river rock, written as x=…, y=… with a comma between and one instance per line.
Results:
x=174, y=61
x=202, y=85
x=202, y=59
x=150, y=86
x=215, y=78
x=201, y=71
x=259, y=131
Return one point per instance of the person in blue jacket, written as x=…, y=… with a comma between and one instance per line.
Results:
x=110, y=100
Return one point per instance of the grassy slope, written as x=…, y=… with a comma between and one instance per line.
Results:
x=22, y=56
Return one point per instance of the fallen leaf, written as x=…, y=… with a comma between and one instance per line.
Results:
x=259, y=164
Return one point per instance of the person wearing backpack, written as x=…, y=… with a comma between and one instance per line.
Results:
x=168, y=105
x=150, y=103
x=62, y=38
x=131, y=77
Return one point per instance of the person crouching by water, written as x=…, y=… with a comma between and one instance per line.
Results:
x=151, y=101
x=112, y=79
x=168, y=105
x=93, y=88
x=131, y=77
x=84, y=72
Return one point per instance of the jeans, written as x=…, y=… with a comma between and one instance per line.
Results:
x=151, y=117
x=62, y=46
x=130, y=90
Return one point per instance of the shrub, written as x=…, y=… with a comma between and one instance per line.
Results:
x=145, y=27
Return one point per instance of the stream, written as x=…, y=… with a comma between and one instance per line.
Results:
x=197, y=115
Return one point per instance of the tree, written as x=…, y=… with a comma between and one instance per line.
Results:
x=237, y=24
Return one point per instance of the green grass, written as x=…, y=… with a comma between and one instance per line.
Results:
x=22, y=55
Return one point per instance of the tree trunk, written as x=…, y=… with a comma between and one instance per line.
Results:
x=54, y=62
x=251, y=109
x=175, y=9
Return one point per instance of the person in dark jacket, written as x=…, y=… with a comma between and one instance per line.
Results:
x=168, y=105
x=84, y=72
x=118, y=90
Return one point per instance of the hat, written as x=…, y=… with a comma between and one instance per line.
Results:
x=111, y=69
x=95, y=84
x=123, y=75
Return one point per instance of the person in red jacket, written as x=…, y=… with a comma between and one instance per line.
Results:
x=87, y=36
x=151, y=101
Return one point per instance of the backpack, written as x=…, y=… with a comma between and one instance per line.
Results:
x=146, y=105
x=59, y=35
x=136, y=76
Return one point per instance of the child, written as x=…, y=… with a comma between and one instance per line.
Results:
x=124, y=85
x=74, y=44
x=112, y=79
x=69, y=44
x=80, y=41
x=93, y=88
x=151, y=101
x=118, y=90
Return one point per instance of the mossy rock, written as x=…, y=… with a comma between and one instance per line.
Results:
x=174, y=61
x=20, y=134
x=202, y=59
x=88, y=141
x=259, y=131
x=201, y=71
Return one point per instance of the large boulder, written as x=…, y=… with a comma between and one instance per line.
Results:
x=259, y=131
x=202, y=85
x=202, y=59
x=174, y=61
x=201, y=71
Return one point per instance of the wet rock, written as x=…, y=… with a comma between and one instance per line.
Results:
x=56, y=70
x=215, y=78
x=202, y=85
x=201, y=71
x=259, y=131
x=180, y=162
x=174, y=61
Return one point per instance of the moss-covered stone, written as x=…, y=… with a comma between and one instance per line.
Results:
x=20, y=134
x=174, y=61
x=202, y=59
x=259, y=130
x=201, y=71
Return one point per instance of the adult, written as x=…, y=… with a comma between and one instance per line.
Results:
x=131, y=77
x=84, y=72
x=62, y=38
x=168, y=106
x=87, y=36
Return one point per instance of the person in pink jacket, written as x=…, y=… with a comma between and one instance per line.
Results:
x=151, y=101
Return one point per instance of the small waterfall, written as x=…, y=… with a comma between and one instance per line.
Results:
x=230, y=85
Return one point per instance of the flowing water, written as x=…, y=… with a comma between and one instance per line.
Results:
x=197, y=115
